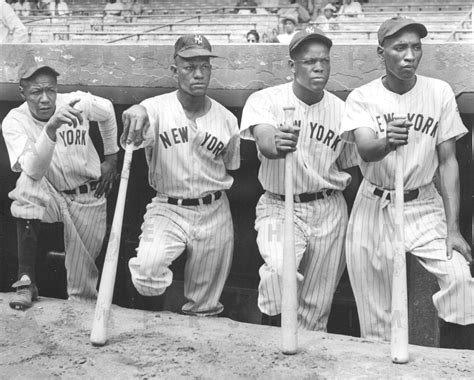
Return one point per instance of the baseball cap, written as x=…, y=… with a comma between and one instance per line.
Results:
x=193, y=45
x=331, y=7
x=393, y=25
x=309, y=33
x=31, y=65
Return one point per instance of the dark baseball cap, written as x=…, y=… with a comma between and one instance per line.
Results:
x=309, y=33
x=31, y=65
x=193, y=45
x=393, y=25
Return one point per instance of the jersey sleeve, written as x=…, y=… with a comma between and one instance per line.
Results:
x=257, y=110
x=450, y=123
x=355, y=116
x=231, y=154
x=32, y=157
x=349, y=156
x=102, y=111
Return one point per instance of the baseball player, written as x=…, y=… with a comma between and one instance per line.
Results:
x=190, y=141
x=61, y=177
x=429, y=132
x=319, y=178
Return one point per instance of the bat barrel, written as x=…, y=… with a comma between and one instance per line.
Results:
x=98, y=335
x=289, y=303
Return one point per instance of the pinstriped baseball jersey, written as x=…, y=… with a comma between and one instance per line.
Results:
x=75, y=160
x=186, y=159
x=430, y=105
x=320, y=154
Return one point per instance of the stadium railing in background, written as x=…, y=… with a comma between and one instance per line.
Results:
x=445, y=22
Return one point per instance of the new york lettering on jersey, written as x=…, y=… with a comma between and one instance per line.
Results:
x=180, y=135
x=319, y=144
x=420, y=123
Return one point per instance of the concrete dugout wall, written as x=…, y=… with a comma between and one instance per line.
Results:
x=127, y=74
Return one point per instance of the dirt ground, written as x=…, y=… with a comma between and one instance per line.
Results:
x=51, y=340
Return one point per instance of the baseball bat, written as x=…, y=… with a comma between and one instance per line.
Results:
x=107, y=282
x=288, y=294
x=399, y=317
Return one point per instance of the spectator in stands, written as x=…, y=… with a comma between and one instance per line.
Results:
x=113, y=8
x=12, y=29
x=33, y=7
x=253, y=37
x=327, y=21
x=251, y=4
x=289, y=26
x=127, y=10
x=137, y=8
x=58, y=8
x=42, y=7
x=316, y=7
x=296, y=11
x=350, y=9
x=270, y=38
x=22, y=8
x=270, y=6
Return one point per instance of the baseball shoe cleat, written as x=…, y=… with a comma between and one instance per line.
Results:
x=26, y=293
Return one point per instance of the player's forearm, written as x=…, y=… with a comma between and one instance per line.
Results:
x=37, y=158
x=103, y=112
x=108, y=131
x=371, y=150
x=450, y=190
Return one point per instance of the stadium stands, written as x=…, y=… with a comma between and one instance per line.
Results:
x=162, y=21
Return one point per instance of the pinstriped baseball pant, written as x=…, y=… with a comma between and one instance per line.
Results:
x=205, y=232
x=369, y=258
x=320, y=228
x=84, y=219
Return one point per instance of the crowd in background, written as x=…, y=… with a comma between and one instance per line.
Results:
x=324, y=14
x=40, y=7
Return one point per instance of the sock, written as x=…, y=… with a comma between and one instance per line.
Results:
x=27, y=243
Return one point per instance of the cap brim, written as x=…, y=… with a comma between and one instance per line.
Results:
x=28, y=73
x=420, y=29
x=195, y=52
x=293, y=20
x=318, y=37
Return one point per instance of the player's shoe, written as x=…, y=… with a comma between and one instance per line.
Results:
x=26, y=293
